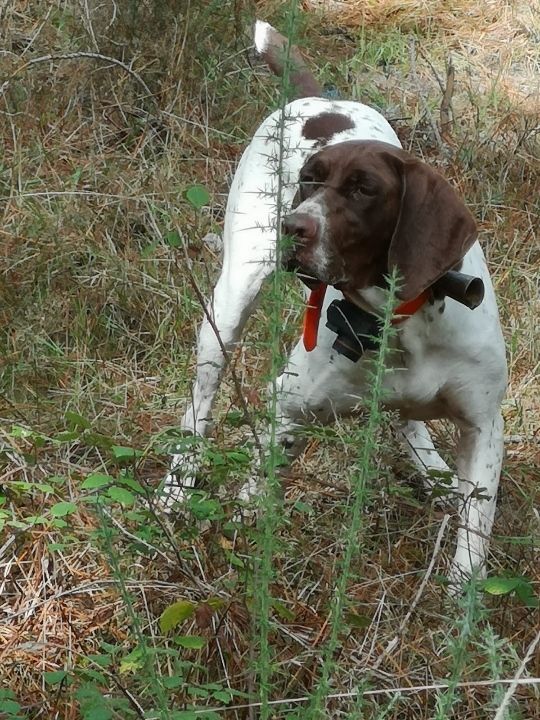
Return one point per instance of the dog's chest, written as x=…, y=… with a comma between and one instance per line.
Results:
x=419, y=365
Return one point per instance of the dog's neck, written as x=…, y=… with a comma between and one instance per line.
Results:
x=372, y=299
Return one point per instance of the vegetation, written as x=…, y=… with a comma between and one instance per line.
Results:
x=121, y=126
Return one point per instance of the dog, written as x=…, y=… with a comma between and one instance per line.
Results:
x=358, y=206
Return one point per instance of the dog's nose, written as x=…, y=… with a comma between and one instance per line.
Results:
x=300, y=225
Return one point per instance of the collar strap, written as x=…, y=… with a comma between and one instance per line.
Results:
x=313, y=315
x=314, y=306
x=406, y=309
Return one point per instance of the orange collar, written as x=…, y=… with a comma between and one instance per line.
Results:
x=406, y=309
x=314, y=307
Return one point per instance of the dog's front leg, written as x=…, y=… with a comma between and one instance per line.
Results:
x=435, y=473
x=311, y=388
x=480, y=453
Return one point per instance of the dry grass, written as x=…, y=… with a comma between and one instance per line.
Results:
x=97, y=320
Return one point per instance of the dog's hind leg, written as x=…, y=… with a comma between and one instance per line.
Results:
x=480, y=455
x=249, y=256
x=232, y=302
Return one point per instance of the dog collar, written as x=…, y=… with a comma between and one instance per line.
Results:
x=312, y=316
x=409, y=308
x=314, y=306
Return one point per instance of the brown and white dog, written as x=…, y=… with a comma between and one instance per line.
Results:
x=362, y=207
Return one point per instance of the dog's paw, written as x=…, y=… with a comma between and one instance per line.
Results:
x=180, y=479
x=250, y=492
x=249, y=497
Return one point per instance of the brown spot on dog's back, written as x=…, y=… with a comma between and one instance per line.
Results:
x=324, y=126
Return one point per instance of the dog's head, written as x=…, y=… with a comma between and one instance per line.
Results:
x=366, y=207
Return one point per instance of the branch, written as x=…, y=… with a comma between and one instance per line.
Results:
x=77, y=56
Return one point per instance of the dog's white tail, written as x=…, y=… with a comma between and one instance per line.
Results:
x=275, y=51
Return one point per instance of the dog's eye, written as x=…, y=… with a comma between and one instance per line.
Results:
x=360, y=184
x=307, y=185
x=365, y=189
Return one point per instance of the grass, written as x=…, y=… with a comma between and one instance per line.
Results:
x=99, y=248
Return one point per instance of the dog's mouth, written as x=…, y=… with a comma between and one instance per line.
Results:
x=309, y=280
x=292, y=265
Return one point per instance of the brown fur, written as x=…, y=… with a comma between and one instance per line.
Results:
x=324, y=126
x=302, y=81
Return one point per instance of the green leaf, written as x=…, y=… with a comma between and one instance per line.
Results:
x=93, y=439
x=53, y=547
x=234, y=559
x=500, y=585
x=66, y=436
x=63, y=508
x=10, y=707
x=223, y=696
x=130, y=482
x=121, y=495
x=357, y=621
x=110, y=648
x=57, y=480
x=191, y=642
x=525, y=593
x=132, y=662
x=282, y=610
x=198, y=196
x=18, y=524
x=121, y=452
x=21, y=485
x=238, y=457
x=97, y=712
x=173, y=239
x=59, y=523
x=18, y=431
x=302, y=507
x=76, y=176
x=96, y=480
x=44, y=488
x=54, y=677
x=176, y=614
x=101, y=660
x=172, y=682
x=205, y=508
x=215, y=603
x=91, y=674
x=76, y=422
x=235, y=418
x=149, y=250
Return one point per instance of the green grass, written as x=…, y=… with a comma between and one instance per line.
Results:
x=100, y=245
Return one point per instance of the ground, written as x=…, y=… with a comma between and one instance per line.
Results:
x=121, y=127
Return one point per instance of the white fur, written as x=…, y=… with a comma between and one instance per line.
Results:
x=262, y=30
x=460, y=353
x=315, y=207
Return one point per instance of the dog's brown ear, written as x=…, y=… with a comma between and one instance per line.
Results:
x=433, y=232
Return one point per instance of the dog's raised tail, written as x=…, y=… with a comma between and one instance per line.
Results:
x=273, y=49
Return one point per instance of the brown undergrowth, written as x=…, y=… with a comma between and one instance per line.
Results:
x=98, y=250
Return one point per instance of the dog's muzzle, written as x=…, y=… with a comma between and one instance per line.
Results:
x=302, y=229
